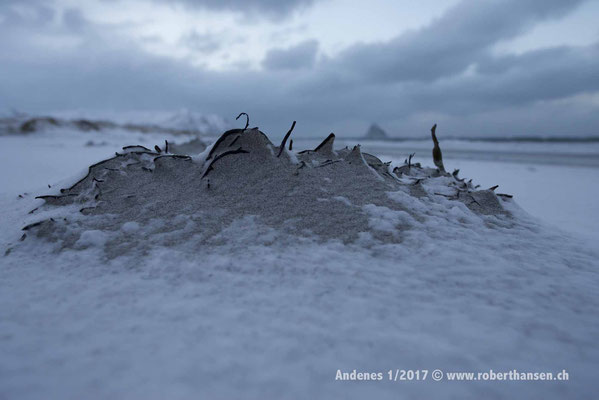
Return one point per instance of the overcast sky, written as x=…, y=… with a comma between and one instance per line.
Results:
x=475, y=67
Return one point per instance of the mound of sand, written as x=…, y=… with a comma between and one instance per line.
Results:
x=333, y=194
x=248, y=270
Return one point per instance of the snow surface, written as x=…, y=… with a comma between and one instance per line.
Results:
x=184, y=119
x=267, y=315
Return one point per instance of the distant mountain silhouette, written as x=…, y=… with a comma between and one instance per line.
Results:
x=376, y=132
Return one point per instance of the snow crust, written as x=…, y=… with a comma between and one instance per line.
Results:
x=264, y=308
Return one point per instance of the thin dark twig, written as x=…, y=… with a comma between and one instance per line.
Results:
x=474, y=201
x=152, y=153
x=234, y=140
x=247, y=121
x=176, y=156
x=327, y=162
x=437, y=155
x=282, y=146
x=131, y=147
x=291, y=145
x=89, y=171
x=221, y=155
x=324, y=142
x=222, y=139
x=26, y=228
x=54, y=197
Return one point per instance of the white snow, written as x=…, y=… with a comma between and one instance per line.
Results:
x=130, y=227
x=92, y=238
x=387, y=220
x=265, y=315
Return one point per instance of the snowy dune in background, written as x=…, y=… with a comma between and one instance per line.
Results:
x=183, y=119
x=267, y=315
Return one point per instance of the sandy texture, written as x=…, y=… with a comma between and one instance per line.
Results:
x=237, y=273
x=319, y=192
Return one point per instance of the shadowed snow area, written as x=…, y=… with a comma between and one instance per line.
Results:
x=251, y=270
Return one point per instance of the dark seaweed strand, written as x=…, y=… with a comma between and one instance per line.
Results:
x=177, y=156
x=410, y=160
x=226, y=153
x=152, y=153
x=221, y=139
x=51, y=196
x=247, y=121
x=166, y=146
x=282, y=146
x=105, y=161
x=327, y=162
x=330, y=137
x=26, y=228
x=132, y=146
x=234, y=140
x=89, y=171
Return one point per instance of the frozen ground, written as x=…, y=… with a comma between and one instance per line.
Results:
x=257, y=319
x=551, y=181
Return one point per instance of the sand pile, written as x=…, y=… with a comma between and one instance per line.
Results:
x=334, y=194
x=166, y=271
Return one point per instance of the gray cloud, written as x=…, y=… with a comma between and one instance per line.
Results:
x=302, y=55
x=449, y=44
x=73, y=19
x=541, y=91
x=270, y=8
x=18, y=13
x=201, y=42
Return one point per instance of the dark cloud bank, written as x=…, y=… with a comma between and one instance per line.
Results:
x=268, y=8
x=444, y=72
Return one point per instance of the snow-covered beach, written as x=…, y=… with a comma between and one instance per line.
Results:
x=262, y=314
x=299, y=199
